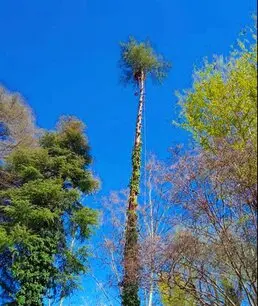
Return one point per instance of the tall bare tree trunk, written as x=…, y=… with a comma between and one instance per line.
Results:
x=131, y=266
x=148, y=219
x=151, y=288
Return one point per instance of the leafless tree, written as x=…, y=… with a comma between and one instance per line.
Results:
x=17, y=123
x=155, y=224
x=197, y=228
x=217, y=199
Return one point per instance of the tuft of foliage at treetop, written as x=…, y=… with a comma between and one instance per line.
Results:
x=43, y=223
x=138, y=57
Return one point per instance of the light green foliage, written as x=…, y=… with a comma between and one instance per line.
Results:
x=223, y=101
x=232, y=294
x=42, y=216
x=174, y=294
x=221, y=113
x=139, y=57
x=37, y=202
x=4, y=239
x=82, y=219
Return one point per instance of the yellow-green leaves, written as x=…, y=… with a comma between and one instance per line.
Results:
x=174, y=294
x=223, y=102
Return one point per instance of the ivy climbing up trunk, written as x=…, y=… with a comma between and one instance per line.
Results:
x=130, y=281
x=138, y=61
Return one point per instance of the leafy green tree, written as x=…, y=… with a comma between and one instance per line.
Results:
x=222, y=102
x=220, y=182
x=43, y=222
x=221, y=112
x=138, y=61
x=175, y=294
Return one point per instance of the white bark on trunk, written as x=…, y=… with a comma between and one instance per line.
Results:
x=151, y=289
x=140, y=110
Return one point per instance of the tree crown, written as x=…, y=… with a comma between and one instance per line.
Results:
x=138, y=59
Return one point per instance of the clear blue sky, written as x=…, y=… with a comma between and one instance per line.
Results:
x=62, y=57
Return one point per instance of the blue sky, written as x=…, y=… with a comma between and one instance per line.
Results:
x=62, y=57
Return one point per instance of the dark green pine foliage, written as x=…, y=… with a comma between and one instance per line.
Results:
x=138, y=61
x=44, y=226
